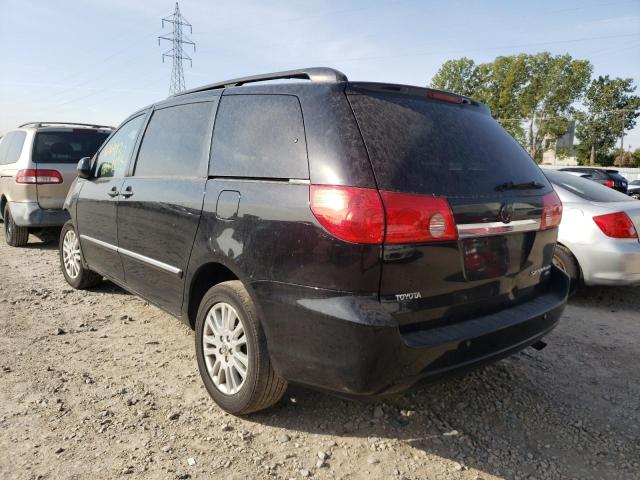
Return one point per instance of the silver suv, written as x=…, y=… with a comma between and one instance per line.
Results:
x=37, y=165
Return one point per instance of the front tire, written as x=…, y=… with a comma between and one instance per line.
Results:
x=71, y=263
x=636, y=196
x=565, y=261
x=231, y=350
x=14, y=235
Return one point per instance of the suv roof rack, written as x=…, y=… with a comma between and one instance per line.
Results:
x=42, y=124
x=315, y=74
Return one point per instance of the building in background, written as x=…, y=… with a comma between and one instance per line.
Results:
x=561, y=152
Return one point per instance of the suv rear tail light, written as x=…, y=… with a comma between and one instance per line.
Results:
x=610, y=183
x=551, y=211
x=358, y=215
x=349, y=213
x=38, y=177
x=616, y=225
x=417, y=218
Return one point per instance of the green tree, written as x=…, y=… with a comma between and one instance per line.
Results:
x=533, y=90
x=554, y=84
x=459, y=76
x=610, y=109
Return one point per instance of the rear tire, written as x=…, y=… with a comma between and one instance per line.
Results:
x=71, y=262
x=222, y=361
x=15, y=236
x=565, y=261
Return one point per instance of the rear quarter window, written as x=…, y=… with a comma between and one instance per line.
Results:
x=11, y=147
x=433, y=147
x=259, y=136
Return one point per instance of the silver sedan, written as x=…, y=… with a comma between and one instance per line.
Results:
x=598, y=239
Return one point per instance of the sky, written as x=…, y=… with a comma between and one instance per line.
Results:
x=98, y=61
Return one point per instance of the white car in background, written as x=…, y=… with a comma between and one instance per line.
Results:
x=598, y=239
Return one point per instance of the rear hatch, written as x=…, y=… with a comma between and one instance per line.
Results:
x=59, y=150
x=620, y=183
x=428, y=143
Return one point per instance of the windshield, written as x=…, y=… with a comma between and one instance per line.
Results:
x=434, y=147
x=586, y=189
x=67, y=147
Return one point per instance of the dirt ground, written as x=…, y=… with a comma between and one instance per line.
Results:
x=100, y=384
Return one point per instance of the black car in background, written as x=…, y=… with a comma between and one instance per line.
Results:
x=634, y=189
x=608, y=177
x=328, y=233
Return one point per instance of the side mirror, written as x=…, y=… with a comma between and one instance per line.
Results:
x=84, y=167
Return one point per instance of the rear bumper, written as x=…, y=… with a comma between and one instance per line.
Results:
x=29, y=214
x=611, y=262
x=351, y=345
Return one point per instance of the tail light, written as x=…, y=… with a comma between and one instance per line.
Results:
x=349, y=213
x=417, y=218
x=551, y=211
x=616, y=225
x=38, y=177
x=358, y=215
x=610, y=183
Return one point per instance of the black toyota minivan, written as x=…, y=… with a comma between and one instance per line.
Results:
x=354, y=237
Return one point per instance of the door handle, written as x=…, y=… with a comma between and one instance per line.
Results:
x=113, y=192
x=127, y=192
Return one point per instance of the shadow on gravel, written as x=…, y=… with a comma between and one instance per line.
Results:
x=107, y=286
x=612, y=298
x=43, y=240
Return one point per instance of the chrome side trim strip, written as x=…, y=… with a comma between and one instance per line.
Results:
x=468, y=230
x=100, y=243
x=154, y=263
x=150, y=261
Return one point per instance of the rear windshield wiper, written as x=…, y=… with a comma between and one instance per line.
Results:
x=519, y=186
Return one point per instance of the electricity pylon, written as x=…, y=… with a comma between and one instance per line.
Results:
x=177, y=39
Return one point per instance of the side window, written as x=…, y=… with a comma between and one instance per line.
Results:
x=113, y=158
x=4, y=147
x=11, y=147
x=176, y=141
x=260, y=136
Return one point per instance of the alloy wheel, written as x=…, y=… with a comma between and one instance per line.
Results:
x=71, y=254
x=224, y=345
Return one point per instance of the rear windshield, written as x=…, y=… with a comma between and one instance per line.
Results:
x=586, y=189
x=617, y=177
x=66, y=147
x=433, y=147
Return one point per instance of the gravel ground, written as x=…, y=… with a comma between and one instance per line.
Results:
x=100, y=384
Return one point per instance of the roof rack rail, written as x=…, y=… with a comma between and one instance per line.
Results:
x=315, y=74
x=41, y=124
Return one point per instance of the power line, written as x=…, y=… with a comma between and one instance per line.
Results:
x=441, y=52
x=177, y=54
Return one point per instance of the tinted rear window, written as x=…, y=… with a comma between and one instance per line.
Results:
x=424, y=146
x=586, y=189
x=617, y=177
x=259, y=136
x=66, y=147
